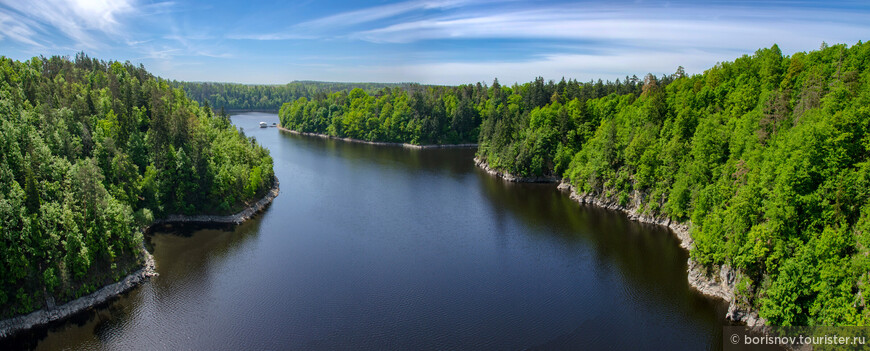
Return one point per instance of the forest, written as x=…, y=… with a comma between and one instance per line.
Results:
x=766, y=156
x=433, y=114
x=258, y=97
x=91, y=152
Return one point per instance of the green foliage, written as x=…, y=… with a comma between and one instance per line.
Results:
x=247, y=97
x=463, y=114
x=767, y=156
x=416, y=115
x=535, y=129
x=92, y=151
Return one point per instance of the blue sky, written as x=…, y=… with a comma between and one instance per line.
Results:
x=430, y=41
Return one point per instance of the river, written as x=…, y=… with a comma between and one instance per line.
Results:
x=373, y=247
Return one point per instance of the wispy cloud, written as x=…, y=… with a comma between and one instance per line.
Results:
x=78, y=20
x=430, y=41
x=199, y=44
x=673, y=26
x=583, y=67
x=350, y=18
x=178, y=37
x=272, y=36
x=316, y=28
x=18, y=29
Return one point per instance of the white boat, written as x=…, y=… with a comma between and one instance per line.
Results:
x=263, y=125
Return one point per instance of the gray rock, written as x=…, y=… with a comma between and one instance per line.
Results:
x=52, y=313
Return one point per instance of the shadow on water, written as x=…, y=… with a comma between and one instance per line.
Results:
x=187, y=253
x=92, y=321
x=645, y=256
x=379, y=247
x=184, y=254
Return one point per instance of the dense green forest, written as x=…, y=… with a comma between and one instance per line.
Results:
x=767, y=156
x=233, y=96
x=90, y=153
x=434, y=114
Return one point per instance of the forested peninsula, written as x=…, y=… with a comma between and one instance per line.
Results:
x=426, y=115
x=764, y=158
x=92, y=152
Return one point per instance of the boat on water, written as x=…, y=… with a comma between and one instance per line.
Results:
x=263, y=125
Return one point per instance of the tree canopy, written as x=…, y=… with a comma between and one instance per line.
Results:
x=91, y=152
x=766, y=156
x=434, y=114
x=259, y=97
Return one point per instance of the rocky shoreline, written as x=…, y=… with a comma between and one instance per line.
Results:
x=236, y=218
x=11, y=326
x=380, y=143
x=721, y=284
x=52, y=313
x=510, y=177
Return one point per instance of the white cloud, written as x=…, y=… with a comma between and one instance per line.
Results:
x=583, y=67
x=643, y=27
x=271, y=36
x=370, y=14
x=18, y=29
x=78, y=20
x=314, y=29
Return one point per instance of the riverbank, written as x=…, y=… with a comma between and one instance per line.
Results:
x=510, y=177
x=380, y=143
x=720, y=284
x=52, y=313
x=236, y=218
x=11, y=326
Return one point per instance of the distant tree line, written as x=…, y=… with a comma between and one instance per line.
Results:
x=251, y=97
x=92, y=151
x=435, y=114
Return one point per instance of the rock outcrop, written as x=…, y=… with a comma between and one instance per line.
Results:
x=53, y=313
x=510, y=177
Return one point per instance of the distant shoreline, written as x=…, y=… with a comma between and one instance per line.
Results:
x=50, y=314
x=236, y=218
x=228, y=111
x=381, y=143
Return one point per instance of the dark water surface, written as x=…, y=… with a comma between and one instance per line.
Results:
x=373, y=247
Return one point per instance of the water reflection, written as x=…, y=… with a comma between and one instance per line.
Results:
x=373, y=247
x=646, y=256
x=436, y=161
